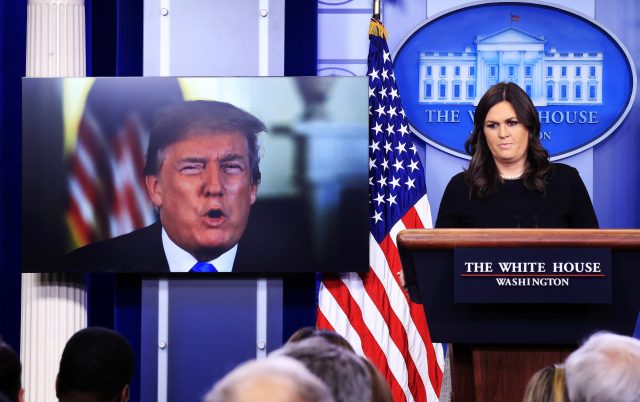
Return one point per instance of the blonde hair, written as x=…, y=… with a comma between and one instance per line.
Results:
x=547, y=385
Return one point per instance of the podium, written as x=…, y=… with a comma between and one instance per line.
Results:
x=496, y=347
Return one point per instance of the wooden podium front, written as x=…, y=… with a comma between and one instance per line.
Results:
x=497, y=347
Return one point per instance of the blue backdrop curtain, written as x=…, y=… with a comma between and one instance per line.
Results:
x=114, y=48
x=13, y=22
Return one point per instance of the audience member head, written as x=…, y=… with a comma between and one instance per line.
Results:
x=547, y=385
x=606, y=368
x=380, y=391
x=274, y=379
x=96, y=365
x=330, y=336
x=10, y=370
x=4, y=398
x=342, y=370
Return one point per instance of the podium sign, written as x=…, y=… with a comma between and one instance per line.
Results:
x=532, y=275
x=493, y=340
x=428, y=264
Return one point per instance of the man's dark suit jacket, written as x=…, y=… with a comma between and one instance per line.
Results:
x=138, y=251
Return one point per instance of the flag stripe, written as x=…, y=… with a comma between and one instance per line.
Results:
x=382, y=333
x=339, y=319
x=373, y=306
x=396, y=331
x=342, y=294
x=413, y=315
x=434, y=363
x=106, y=190
x=398, y=326
x=435, y=356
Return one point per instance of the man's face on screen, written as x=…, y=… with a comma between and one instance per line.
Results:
x=204, y=192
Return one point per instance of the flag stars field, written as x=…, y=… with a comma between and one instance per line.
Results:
x=370, y=308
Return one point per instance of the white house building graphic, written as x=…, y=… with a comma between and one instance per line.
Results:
x=549, y=77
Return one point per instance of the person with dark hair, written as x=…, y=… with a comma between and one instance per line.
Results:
x=4, y=398
x=97, y=365
x=202, y=174
x=342, y=370
x=509, y=181
x=10, y=371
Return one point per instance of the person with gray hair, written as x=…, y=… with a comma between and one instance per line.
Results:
x=343, y=371
x=606, y=368
x=274, y=379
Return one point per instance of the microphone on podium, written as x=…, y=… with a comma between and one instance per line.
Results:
x=518, y=220
x=536, y=221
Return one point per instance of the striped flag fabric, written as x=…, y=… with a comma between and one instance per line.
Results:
x=370, y=309
x=106, y=190
x=105, y=184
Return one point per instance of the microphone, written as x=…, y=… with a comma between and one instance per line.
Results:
x=536, y=221
x=518, y=219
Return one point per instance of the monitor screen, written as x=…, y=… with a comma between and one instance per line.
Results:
x=233, y=174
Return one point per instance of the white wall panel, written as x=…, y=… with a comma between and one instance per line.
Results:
x=53, y=307
x=213, y=38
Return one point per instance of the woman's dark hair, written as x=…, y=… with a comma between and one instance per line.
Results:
x=482, y=175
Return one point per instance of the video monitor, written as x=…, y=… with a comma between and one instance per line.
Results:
x=197, y=174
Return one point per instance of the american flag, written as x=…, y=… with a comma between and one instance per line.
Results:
x=370, y=309
x=106, y=190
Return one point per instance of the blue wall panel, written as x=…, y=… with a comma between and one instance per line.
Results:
x=149, y=340
x=211, y=330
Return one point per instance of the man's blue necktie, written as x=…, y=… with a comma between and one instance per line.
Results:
x=203, y=267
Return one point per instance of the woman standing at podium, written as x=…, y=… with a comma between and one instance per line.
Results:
x=510, y=182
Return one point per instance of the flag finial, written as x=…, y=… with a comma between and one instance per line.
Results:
x=376, y=9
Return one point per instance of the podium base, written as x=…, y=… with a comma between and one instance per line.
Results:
x=493, y=373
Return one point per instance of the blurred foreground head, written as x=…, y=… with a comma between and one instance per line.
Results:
x=96, y=366
x=10, y=371
x=331, y=336
x=342, y=370
x=547, y=385
x=606, y=368
x=274, y=379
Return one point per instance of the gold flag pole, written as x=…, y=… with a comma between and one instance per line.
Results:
x=376, y=9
